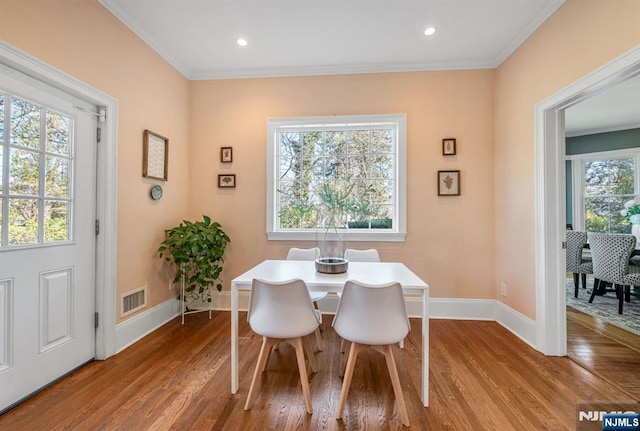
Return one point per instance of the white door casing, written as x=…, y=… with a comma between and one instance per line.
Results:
x=551, y=338
x=49, y=288
x=106, y=206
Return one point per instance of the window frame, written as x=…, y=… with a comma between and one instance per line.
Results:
x=577, y=168
x=44, y=102
x=396, y=234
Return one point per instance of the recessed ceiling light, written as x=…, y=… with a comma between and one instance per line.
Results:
x=241, y=41
x=429, y=31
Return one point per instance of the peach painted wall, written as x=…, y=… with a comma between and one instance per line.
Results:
x=450, y=239
x=84, y=40
x=580, y=37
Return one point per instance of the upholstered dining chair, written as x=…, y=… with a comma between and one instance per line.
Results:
x=610, y=254
x=309, y=254
x=576, y=263
x=372, y=316
x=279, y=312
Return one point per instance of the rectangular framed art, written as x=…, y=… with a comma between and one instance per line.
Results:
x=449, y=147
x=226, y=180
x=155, y=156
x=448, y=183
x=226, y=154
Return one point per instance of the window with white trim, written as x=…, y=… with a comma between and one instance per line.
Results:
x=603, y=182
x=359, y=160
x=35, y=173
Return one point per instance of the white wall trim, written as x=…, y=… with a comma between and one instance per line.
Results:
x=551, y=328
x=138, y=327
x=439, y=308
x=518, y=324
x=106, y=207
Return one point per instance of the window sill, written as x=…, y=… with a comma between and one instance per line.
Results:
x=351, y=237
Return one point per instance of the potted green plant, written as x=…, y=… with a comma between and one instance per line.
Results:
x=196, y=249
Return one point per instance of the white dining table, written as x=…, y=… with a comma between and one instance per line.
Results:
x=366, y=272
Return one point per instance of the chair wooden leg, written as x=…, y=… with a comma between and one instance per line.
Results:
x=627, y=294
x=576, y=283
x=395, y=382
x=344, y=345
x=318, y=339
x=262, y=362
x=302, y=368
x=346, y=382
x=584, y=280
x=309, y=350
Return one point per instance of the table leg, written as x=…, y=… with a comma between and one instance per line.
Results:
x=234, y=338
x=425, y=348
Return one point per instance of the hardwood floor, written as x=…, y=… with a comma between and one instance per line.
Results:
x=604, y=349
x=177, y=378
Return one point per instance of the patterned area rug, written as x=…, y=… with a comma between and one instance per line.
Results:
x=606, y=307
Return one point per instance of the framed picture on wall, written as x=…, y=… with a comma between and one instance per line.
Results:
x=448, y=183
x=449, y=147
x=226, y=180
x=226, y=154
x=155, y=156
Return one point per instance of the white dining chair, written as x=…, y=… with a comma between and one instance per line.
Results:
x=369, y=255
x=279, y=312
x=309, y=254
x=372, y=316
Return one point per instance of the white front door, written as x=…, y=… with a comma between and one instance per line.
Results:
x=47, y=247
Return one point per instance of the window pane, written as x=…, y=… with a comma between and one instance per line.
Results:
x=23, y=221
x=56, y=221
x=23, y=172
x=1, y=167
x=381, y=141
x=609, y=177
x=603, y=214
x=290, y=144
x=25, y=124
x=58, y=133
x=56, y=177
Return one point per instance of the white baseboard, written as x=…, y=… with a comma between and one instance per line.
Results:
x=439, y=308
x=521, y=326
x=517, y=323
x=132, y=330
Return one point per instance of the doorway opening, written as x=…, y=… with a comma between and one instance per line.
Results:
x=551, y=328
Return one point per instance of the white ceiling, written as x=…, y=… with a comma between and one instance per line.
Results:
x=320, y=37
x=617, y=108
x=317, y=37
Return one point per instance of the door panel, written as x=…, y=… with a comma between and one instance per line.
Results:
x=47, y=253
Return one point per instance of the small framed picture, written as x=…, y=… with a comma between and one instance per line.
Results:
x=448, y=147
x=226, y=154
x=448, y=183
x=155, y=156
x=226, y=180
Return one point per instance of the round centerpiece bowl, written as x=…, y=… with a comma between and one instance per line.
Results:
x=332, y=265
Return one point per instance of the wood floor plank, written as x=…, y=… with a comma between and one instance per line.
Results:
x=178, y=378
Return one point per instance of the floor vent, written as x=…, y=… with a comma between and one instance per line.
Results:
x=133, y=301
